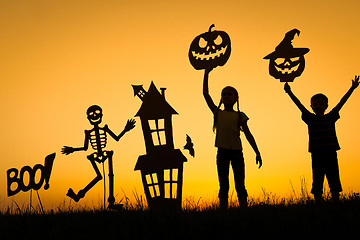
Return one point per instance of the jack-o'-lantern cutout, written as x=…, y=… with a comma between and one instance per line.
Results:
x=210, y=49
x=287, y=62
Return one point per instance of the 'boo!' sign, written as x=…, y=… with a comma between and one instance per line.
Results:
x=32, y=182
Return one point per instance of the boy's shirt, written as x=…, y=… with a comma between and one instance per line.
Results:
x=322, y=134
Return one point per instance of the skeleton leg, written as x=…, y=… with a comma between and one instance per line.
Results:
x=96, y=179
x=111, y=198
x=81, y=193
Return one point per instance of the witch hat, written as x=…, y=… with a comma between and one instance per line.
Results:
x=285, y=48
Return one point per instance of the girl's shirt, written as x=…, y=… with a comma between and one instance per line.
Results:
x=228, y=129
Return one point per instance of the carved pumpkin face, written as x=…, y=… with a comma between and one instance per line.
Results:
x=287, y=69
x=210, y=49
x=286, y=62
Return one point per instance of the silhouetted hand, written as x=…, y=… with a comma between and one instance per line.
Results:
x=258, y=160
x=287, y=88
x=129, y=125
x=355, y=82
x=67, y=150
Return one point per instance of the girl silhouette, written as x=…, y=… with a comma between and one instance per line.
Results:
x=227, y=124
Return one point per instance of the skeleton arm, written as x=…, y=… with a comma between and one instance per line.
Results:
x=67, y=150
x=129, y=125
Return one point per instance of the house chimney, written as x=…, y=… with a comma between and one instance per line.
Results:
x=163, y=91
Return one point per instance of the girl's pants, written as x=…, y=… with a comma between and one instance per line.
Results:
x=224, y=158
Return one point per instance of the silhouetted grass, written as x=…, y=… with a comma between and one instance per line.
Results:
x=296, y=217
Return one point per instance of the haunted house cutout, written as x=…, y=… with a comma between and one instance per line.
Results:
x=162, y=165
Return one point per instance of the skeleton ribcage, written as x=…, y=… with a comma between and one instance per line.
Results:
x=102, y=138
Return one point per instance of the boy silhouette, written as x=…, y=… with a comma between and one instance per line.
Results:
x=323, y=142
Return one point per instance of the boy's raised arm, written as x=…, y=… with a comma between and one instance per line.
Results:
x=294, y=98
x=354, y=85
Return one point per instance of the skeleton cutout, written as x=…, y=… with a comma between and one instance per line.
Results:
x=286, y=62
x=98, y=139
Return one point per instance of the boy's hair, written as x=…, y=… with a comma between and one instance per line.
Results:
x=319, y=96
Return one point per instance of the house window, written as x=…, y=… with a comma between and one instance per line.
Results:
x=157, y=129
x=171, y=183
x=141, y=93
x=153, y=184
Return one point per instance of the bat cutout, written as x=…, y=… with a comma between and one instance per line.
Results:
x=189, y=146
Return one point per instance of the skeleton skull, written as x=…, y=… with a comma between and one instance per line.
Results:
x=94, y=114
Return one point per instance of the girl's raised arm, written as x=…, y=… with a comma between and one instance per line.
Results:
x=206, y=94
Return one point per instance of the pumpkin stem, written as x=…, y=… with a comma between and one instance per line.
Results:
x=212, y=25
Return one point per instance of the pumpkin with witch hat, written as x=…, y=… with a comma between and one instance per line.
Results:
x=287, y=62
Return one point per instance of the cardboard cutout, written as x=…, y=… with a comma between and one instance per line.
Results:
x=287, y=62
x=210, y=49
x=162, y=166
x=45, y=171
x=189, y=146
x=97, y=137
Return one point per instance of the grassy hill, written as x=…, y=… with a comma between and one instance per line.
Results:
x=284, y=219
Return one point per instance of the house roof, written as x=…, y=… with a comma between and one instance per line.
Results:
x=154, y=105
x=160, y=160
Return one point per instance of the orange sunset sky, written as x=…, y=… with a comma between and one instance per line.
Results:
x=59, y=57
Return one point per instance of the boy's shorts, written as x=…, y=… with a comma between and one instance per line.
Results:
x=325, y=164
